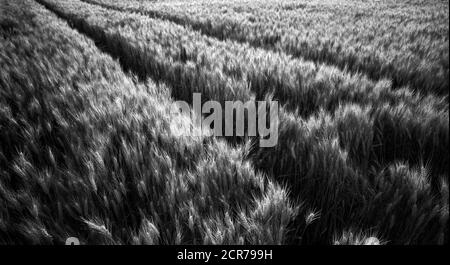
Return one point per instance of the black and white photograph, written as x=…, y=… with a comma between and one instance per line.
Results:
x=239, y=123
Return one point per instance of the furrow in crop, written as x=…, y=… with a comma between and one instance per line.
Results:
x=293, y=163
x=86, y=152
x=399, y=120
x=410, y=66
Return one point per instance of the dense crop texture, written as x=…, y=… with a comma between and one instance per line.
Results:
x=87, y=152
x=406, y=41
x=86, y=147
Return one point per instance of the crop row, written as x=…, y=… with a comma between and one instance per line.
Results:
x=131, y=32
x=190, y=62
x=357, y=36
x=87, y=152
x=309, y=87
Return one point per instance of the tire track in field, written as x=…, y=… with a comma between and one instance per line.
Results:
x=111, y=47
x=103, y=45
x=135, y=67
x=117, y=46
x=384, y=136
x=107, y=47
x=101, y=38
x=99, y=41
x=347, y=64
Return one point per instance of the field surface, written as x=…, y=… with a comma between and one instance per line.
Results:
x=88, y=149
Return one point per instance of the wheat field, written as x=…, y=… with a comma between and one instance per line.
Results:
x=88, y=150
